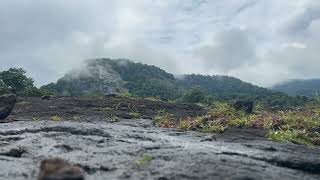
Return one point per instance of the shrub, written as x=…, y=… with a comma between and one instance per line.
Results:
x=55, y=118
x=194, y=95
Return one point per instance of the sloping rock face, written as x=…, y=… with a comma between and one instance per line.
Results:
x=93, y=77
x=7, y=103
x=136, y=149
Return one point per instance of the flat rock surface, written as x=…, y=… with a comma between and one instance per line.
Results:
x=136, y=149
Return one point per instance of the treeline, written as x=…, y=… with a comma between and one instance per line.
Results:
x=140, y=80
x=15, y=81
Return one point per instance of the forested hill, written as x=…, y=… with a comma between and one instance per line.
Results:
x=309, y=87
x=107, y=76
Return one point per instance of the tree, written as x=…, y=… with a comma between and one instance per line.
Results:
x=15, y=81
x=194, y=95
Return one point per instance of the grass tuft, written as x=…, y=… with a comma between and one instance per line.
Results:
x=55, y=118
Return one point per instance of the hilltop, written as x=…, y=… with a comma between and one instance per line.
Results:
x=117, y=76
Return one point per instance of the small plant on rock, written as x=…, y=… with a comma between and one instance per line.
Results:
x=135, y=115
x=55, y=118
x=114, y=119
x=144, y=160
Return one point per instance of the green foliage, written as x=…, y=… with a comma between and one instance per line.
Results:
x=194, y=95
x=15, y=81
x=153, y=98
x=141, y=80
x=135, y=115
x=299, y=87
x=55, y=118
x=295, y=136
x=144, y=160
x=164, y=120
x=115, y=119
x=300, y=125
x=225, y=88
x=76, y=118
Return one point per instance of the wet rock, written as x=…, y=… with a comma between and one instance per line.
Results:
x=59, y=169
x=47, y=97
x=111, y=150
x=7, y=103
x=111, y=95
x=16, y=152
x=241, y=105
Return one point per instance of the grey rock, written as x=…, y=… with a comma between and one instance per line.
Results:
x=47, y=97
x=7, y=103
x=118, y=152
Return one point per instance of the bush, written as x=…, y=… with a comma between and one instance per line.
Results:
x=194, y=95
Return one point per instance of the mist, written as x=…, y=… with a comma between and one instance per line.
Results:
x=262, y=42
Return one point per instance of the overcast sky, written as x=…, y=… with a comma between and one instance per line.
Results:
x=259, y=41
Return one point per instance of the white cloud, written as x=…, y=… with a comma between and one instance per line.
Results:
x=263, y=42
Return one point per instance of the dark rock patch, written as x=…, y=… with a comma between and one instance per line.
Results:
x=59, y=169
x=241, y=105
x=7, y=103
x=15, y=152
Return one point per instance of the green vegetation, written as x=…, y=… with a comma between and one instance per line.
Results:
x=164, y=120
x=76, y=118
x=114, y=119
x=35, y=119
x=15, y=81
x=299, y=126
x=135, y=115
x=144, y=160
x=55, y=118
x=194, y=95
x=299, y=87
x=136, y=80
x=107, y=109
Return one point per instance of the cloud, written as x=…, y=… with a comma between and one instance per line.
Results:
x=229, y=50
x=262, y=42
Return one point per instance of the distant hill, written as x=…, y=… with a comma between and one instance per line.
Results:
x=309, y=87
x=108, y=76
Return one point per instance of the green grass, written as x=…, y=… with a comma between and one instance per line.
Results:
x=115, y=119
x=296, y=126
x=76, y=118
x=135, y=115
x=106, y=109
x=35, y=119
x=164, y=120
x=144, y=160
x=55, y=118
x=153, y=99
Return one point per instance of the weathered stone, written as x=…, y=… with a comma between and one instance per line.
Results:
x=137, y=150
x=246, y=106
x=47, y=97
x=7, y=103
x=59, y=169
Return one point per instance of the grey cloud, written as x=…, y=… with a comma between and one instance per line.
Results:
x=229, y=50
x=257, y=41
x=299, y=23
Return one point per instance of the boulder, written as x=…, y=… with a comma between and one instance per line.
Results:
x=60, y=169
x=47, y=97
x=7, y=103
x=242, y=105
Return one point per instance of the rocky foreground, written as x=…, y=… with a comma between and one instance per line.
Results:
x=135, y=149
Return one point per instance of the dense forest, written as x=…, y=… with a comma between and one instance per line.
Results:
x=107, y=76
x=308, y=87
